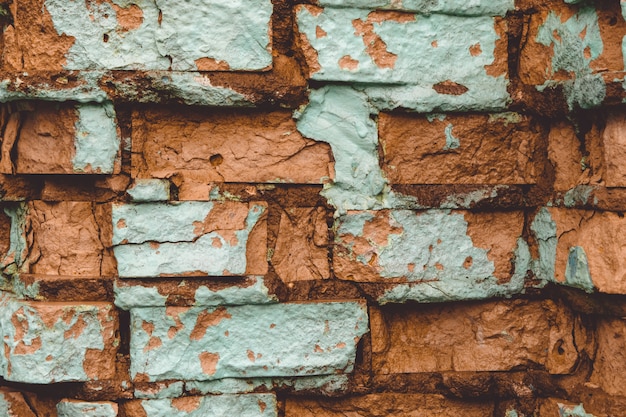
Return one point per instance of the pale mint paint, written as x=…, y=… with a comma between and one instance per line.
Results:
x=67, y=408
x=429, y=241
x=149, y=190
x=577, y=195
x=129, y=296
x=233, y=31
x=544, y=231
x=512, y=413
x=418, y=61
x=88, y=92
x=179, y=249
x=58, y=359
x=300, y=339
x=453, y=7
x=489, y=95
x=340, y=116
x=577, y=270
x=569, y=411
x=327, y=384
x=19, y=288
x=97, y=140
x=457, y=288
x=5, y=407
x=16, y=259
x=165, y=390
x=452, y=142
x=586, y=90
x=468, y=200
x=244, y=405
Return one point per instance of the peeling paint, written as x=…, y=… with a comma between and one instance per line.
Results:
x=46, y=343
x=452, y=142
x=544, y=230
x=163, y=390
x=578, y=195
x=149, y=190
x=452, y=7
x=323, y=383
x=244, y=405
x=97, y=140
x=569, y=411
x=281, y=336
x=129, y=296
x=72, y=408
x=15, y=260
x=155, y=239
x=577, y=270
x=170, y=36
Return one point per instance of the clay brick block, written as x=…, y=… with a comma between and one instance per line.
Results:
x=302, y=245
x=609, y=368
x=391, y=405
x=190, y=238
x=566, y=41
x=496, y=336
x=57, y=342
x=449, y=255
x=76, y=408
x=581, y=248
x=53, y=138
x=69, y=238
x=195, y=149
x=614, y=143
x=244, y=405
x=437, y=51
x=459, y=149
x=245, y=341
x=145, y=35
x=13, y=404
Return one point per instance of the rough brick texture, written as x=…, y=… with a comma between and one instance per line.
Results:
x=276, y=208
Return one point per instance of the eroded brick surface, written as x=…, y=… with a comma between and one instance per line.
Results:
x=495, y=336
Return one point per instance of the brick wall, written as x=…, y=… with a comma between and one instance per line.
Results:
x=312, y=208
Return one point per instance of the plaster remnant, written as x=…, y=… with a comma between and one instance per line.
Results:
x=451, y=7
x=146, y=190
x=452, y=142
x=97, y=139
x=75, y=408
x=244, y=405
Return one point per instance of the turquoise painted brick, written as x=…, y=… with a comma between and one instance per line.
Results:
x=171, y=35
x=454, y=7
x=73, y=408
x=201, y=238
x=53, y=342
x=361, y=46
x=244, y=405
x=275, y=340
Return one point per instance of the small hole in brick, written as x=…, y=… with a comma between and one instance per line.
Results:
x=105, y=38
x=613, y=21
x=620, y=214
x=216, y=159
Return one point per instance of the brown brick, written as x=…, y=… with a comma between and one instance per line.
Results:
x=70, y=238
x=564, y=41
x=494, y=336
x=302, y=245
x=609, y=368
x=390, y=405
x=196, y=148
x=14, y=404
x=598, y=233
x=459, y=149
x=614, y=141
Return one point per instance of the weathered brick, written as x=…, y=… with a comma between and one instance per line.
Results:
x=53, y=342
x=437, y=51
x=76, y=408
x=149, y=190
x=62, y=139
x=190, y=238
x=145, y=35
x=609, y=368
x=244, y=405
x=302, y=245
x=566, y=41
x=614, y=144
x=459, y=149
x=578, y=248
x=245, y=341
x=195, y=149
x=69, y=238
x=433, y=255
x=197, y=292
x=392, y=405
x=496, y=336
x=454, y=7
x=13, y=404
